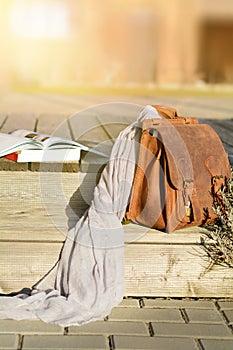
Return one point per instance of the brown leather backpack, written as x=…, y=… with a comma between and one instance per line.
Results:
x=181, y=164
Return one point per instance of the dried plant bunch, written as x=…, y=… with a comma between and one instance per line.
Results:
x=218, y=239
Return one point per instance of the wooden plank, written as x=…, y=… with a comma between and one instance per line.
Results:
x=116, y=117
x=206, y=108
x=3, y=119
x=150, y=270
x=29, y=234
x=41, y=228
x=23, y=264
x=53, y=124
x=227, y=124
x=34, y=220
x=138, y=234
x=98, y=127
x=86, y=128
x=101, y=123
x=173, y=271
x=19, y=121
x=8, y=165
x=49, y=202
x=225, y=131
x=30, y=187
x=44, y=200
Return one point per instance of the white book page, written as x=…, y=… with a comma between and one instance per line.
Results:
x=43, y=138
x=47, y=140
x=10, y=144
x=48, y=155
x=52, y=142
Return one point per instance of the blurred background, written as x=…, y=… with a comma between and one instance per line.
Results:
x=115, y=42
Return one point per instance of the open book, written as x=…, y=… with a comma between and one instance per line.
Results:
x=28, y=146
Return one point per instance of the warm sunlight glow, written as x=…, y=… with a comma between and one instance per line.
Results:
x=115, y=42
x=39, y=19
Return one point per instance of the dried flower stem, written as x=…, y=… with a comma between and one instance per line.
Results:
x=218, y=240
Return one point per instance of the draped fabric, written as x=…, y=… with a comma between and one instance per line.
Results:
x=88, y=280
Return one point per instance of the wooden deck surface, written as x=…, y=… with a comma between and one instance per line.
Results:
x=34, y=227
x=37, y=207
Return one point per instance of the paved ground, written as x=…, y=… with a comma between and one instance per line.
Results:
x=141, y=323
x=160, y=324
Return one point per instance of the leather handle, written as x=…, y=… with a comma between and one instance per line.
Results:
x=166, y=112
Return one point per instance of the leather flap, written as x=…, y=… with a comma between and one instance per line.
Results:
x=179, y=165
x=179, y=162
x=215, y=166
x=174, y=173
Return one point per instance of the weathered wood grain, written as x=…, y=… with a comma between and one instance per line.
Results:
x=8, y=165
x=175, y=271
x=3, y=119
x=101, y=124
x=150, y=269
x=86, y=128
x=41, y=200
x=33, y=226
x=37, y=209
x=53, y=124
x=138, y=234
x=206, y=108
x=19, y=121
x=23, y=264
x=33, y=203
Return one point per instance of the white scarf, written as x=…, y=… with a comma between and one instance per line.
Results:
x=88, y=280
